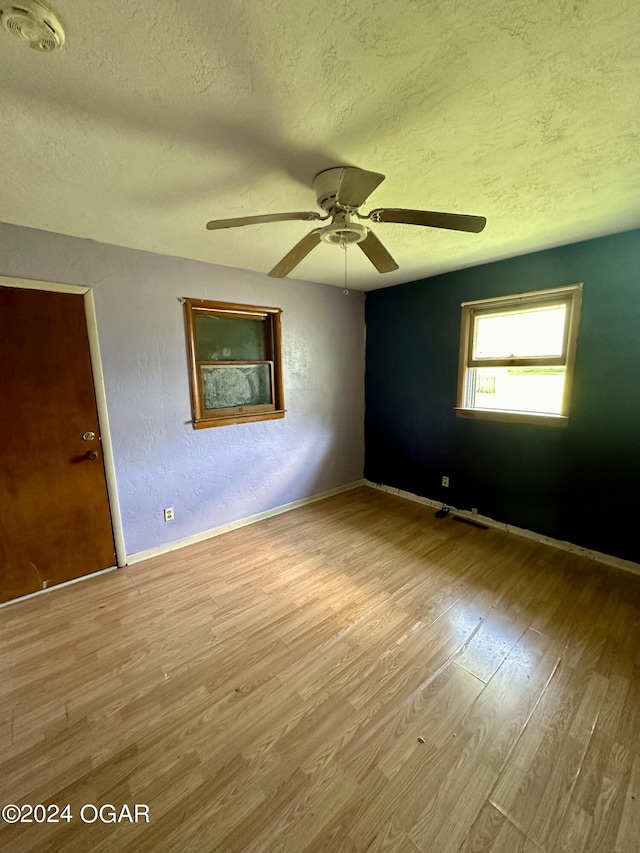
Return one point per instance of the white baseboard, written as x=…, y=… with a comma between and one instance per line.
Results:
x=139, y=556
x=608, y=559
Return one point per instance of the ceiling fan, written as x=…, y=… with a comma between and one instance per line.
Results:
x=340, y=192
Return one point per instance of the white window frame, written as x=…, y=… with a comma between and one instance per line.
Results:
x=570, y=295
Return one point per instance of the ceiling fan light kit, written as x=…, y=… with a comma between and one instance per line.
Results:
x=340, y=192
x=343, y=232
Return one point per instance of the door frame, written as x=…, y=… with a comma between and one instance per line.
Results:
x=100, y=392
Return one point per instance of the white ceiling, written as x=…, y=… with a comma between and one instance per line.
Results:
x=157, y=116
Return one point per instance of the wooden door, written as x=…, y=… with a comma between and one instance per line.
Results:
x=55, y=523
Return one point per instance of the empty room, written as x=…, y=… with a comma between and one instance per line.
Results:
x=319, y=427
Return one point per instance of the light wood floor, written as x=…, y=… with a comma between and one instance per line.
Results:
x=355, y=675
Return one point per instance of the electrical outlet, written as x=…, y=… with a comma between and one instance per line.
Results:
x=445, y=482
x=168, y=513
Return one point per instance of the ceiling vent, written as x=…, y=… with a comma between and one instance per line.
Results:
x=33, y=24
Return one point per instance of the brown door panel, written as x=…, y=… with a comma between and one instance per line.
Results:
x=55, y=523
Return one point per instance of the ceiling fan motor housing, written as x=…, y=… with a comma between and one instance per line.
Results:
x=326, y=186
x=341, y=231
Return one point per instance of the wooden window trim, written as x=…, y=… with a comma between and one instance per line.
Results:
x=513, y=417
x=205, y=418
x=571, y=295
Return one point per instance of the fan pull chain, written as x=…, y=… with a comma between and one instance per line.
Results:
x=343, y=243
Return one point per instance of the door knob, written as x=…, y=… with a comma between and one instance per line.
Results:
x=92, y=454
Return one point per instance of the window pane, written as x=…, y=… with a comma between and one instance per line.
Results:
x=231, y=338
x=518, y=389
x=531, y=332
x=226, y=386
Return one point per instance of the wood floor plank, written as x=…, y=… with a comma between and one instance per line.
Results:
x=484, y=653
x=492, y=832
x=335, y=835
x=573, y=837
x=610, y=802
x=504, y=707
x=355, y=675
x=387, y=739
x=391, y=839
x=454, y=802
x=629, y=824
x=536, y=785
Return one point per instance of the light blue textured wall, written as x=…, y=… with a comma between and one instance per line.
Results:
x=214, y=476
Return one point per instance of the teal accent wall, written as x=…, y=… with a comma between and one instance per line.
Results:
x=580, y=484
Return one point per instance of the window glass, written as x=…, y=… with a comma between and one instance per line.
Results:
x=230, y=338
x=538, y=332
x=236, y=385
x=519, y=389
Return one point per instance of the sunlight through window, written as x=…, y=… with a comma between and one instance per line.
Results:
x=517, y=355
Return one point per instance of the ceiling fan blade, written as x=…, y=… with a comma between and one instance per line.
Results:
x=430, y=218
x=356, y=185
x=309, y=216
x=298, y=253
x=377, y=254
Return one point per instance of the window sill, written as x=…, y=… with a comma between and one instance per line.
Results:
x=513, y=417
x=205, y=423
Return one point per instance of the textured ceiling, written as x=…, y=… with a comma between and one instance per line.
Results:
x=157, y=116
